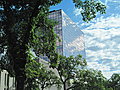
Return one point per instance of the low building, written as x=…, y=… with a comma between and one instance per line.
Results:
x=6, y=82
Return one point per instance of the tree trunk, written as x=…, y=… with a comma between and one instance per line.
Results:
x=42, y=88
x=16, y=52
x=20, y=75
x=64, y=86
x=20, y=83
x=17, y=49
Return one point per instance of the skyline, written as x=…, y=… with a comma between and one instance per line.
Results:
x=101, y=36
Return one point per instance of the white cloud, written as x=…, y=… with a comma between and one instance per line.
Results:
x=102, y=44
x=107, y=23
x=108, y=74
x=77, y=11
x=98, y=66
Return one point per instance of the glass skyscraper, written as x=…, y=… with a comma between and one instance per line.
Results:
x=57, y=16
x=72, y=38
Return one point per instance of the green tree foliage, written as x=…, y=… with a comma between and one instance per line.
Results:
x=89, y=8
x=114, y=82
x=20, y=22
x=89, y=80
x=39, y=76
x=48, y=79
x=33, y=70
x=68, y=67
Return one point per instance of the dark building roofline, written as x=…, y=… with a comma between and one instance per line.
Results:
x=55, y=10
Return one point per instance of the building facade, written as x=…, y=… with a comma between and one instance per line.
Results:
x=6, y=82
x=72, y=38
x=57, y=16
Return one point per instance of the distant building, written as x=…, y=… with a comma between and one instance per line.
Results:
x=72, y=38
x=6, y=82
x=57, y=16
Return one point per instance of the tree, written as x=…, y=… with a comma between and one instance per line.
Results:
x=20, y=21
x=39, y=76
x=68, y=68
x=89, y=80
x=33, y=69
x=48, y=79
x=89, y=8
x=114, y=82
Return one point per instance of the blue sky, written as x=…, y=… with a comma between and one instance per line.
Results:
x=102, y=36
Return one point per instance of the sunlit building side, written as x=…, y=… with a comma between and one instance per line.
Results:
x=72, y=38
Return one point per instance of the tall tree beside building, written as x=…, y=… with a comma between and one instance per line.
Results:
x=67, y=69
x=20, y=21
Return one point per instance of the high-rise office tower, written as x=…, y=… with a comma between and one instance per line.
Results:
x=72, y=38
x=57, y=16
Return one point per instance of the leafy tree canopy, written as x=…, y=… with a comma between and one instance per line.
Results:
x=68, y=67
x=114, y=82
x=39, y=76
x=89, y=79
